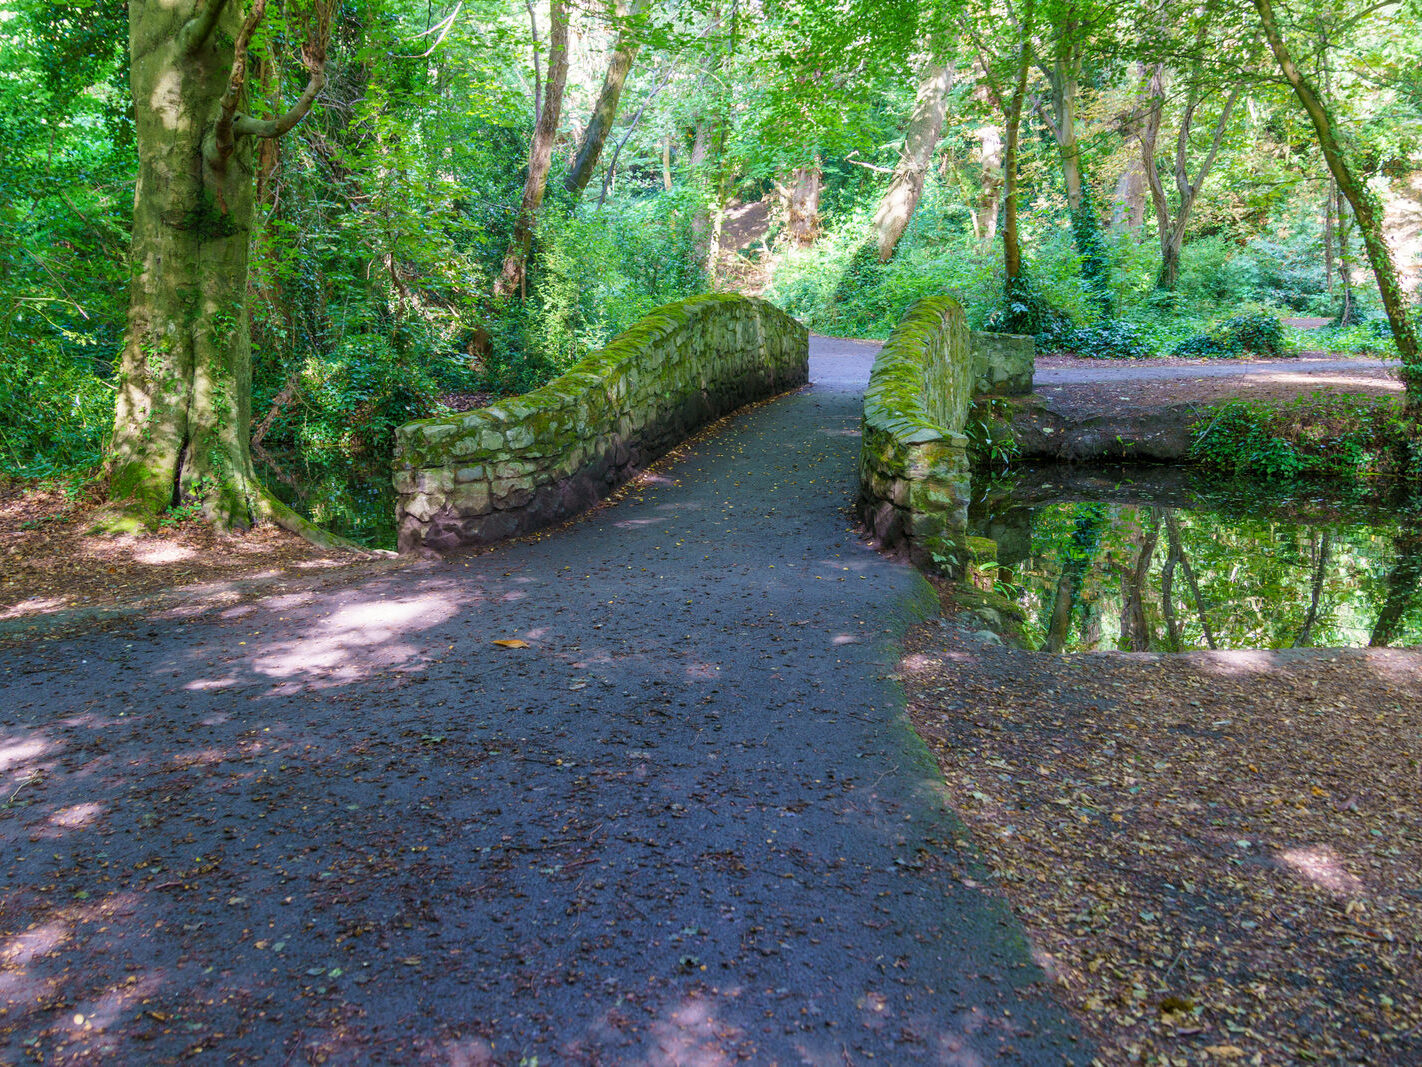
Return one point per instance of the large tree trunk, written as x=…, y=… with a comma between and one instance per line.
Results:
x=605, y=110
x=925, y=127
x=802, y=205
x=540, y=155
x=1065, y=85
x=1367, y=211
x=181, y=419
x=989, y=185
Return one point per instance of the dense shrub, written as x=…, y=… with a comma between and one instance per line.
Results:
x=1113, y=339
x=1325, y=435
x=1256, y=333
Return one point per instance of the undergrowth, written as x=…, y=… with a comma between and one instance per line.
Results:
x=1321, y=435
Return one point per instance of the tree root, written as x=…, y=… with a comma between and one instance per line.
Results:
x=290, y=521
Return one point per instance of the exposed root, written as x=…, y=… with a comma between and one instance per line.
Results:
x=290, y=521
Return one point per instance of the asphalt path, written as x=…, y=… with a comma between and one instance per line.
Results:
x=686, y=822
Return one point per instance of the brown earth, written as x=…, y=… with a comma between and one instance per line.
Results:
x=1083, y=387
x=1217, y=856
x=53, y=563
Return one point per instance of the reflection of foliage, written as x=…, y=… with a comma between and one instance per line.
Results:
x=1264, y=581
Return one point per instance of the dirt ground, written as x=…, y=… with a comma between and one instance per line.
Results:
x=51, y=562
x=1217, y=856
x=1075, y=387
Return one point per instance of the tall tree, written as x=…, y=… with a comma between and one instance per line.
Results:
x=540, y=156
x=1367, y=210
x=1197, y=91
x=624, y=53
x=925, y=127
x=183, y=405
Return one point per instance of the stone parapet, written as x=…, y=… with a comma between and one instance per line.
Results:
x=482, y=476
x=914, y=474
x=1003, y=363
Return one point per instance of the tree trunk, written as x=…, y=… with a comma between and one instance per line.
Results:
x=1367, y=211
x=1345, y=258
x=666, y=163
x=540, y=155
x=802, y=205
x=183, y=409
x=1172, y=234
x=1329, y=258
x=1128, y=208
x=1011, y=248
x=925, y=127
x=989, y=185
x=1065, y=85
x=605, y=110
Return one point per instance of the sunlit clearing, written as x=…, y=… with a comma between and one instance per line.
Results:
x=163, y=552
x=1321, y=866
x=356, y=639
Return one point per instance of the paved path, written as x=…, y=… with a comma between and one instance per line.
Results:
x=688, y=824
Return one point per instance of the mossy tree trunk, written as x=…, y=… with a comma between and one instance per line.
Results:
x=184, y=384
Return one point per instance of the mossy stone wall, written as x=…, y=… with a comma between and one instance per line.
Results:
x=914, y=475
x=519, y=464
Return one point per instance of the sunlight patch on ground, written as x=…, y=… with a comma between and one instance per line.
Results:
x=357, y=638
x=163, y=552
x=1321, y=866
x=35, y=606
x=76, y=815
x=1342, y=382
x=1243, y=661
x=16, y=753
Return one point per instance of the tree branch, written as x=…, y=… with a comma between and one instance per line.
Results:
x=224, y=136
x=198, y=29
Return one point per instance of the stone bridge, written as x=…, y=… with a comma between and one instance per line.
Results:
x=478, y=477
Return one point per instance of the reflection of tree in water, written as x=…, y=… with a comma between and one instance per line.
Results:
x=1149, y=577
x=1401, y=584
x=1080, y=554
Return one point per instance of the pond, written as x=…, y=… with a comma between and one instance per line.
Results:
x=1162, y=560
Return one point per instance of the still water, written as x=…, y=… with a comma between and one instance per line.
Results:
x=1142, y=560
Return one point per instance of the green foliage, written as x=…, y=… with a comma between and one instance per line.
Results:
x=1025, y=309
x=1112, y=339
x=1095, y=261
x=1254, y=334
x=1323, y=435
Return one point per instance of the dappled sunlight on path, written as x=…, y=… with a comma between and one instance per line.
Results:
x=678, y=818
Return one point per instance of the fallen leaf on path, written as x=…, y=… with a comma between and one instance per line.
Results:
x=511, y=642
